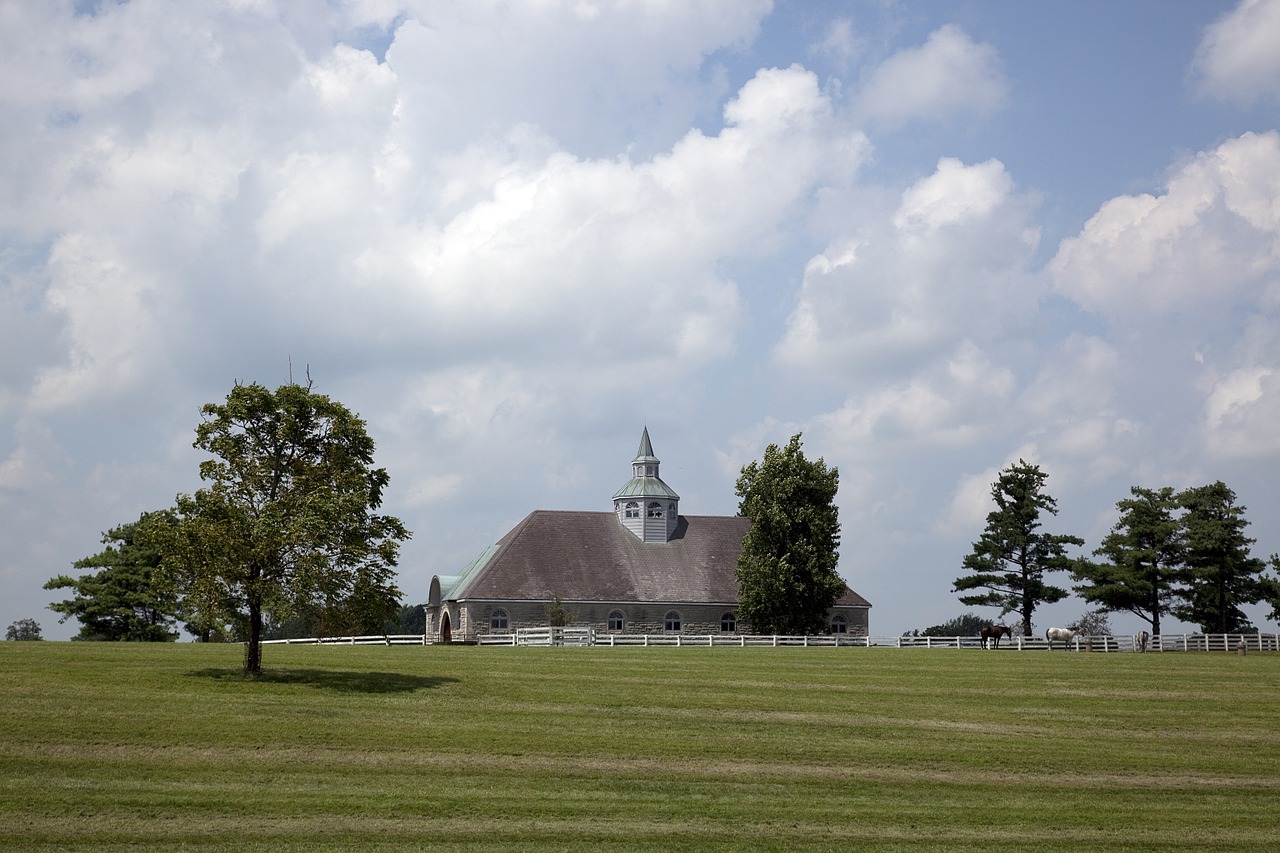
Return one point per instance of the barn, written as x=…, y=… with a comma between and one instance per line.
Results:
x=641, y=569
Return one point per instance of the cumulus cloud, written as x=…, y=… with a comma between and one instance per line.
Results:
x=509, y=234
x=949, y=76
x=1238, y=59
x=1210, y=240
x=950, y=261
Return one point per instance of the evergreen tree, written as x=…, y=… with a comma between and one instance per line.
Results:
x=1220, y=574
x=1145, y=552
x=787, y=570
x=1009, y=561
x=122, y=600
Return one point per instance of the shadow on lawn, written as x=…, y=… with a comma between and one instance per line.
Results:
x=339, y=682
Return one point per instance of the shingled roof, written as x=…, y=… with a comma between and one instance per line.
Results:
x=589, y=556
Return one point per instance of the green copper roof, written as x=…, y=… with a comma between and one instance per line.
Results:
x=646, y=487
x=640, y=486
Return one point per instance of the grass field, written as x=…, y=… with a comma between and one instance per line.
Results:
x=166, y=747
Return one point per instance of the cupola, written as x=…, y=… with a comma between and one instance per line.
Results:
x=645, y=505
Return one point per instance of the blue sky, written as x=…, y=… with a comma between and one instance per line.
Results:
x=933, y=237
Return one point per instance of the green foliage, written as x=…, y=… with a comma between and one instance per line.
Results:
x=23, y=629
x=1092, y=623
x=1220, y=574
x=411, y=619
x=787, y=570
x=287, y=521
x=1145, y=552
x=167, y=747
x=557, y=615
x=121, y=601
x=965, y=625
x=1009, y=561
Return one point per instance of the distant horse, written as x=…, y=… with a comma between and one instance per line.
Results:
x=1066, y=635
x=994, y=632
x=1140, y=641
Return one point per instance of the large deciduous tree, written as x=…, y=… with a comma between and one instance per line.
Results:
x=1220, y=574
x=787, y=569
x=288, y=518
x=1144, y=555
x=1011, y=558
x=23, y=629
x=121, y=601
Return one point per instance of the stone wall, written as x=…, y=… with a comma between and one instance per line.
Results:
x=638, y=618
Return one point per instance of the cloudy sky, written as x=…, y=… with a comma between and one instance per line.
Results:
x=935, y=237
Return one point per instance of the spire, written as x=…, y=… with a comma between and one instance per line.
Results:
x=646, y=448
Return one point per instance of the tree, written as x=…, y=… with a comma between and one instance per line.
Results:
x=23, y=629
x=1092, y=623
x=965, y=625
x=287, y=521
x=1220, y=574
x=122, y=601
x=557, y=615
x=1145, y=552
x=1009, y=561
x=787, y=568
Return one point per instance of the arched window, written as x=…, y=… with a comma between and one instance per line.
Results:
x=633, y=510
x=729, y=623
x=617, y=620
x=839, y=624
x=498, y=620
x=672, y=622
x=655, y=510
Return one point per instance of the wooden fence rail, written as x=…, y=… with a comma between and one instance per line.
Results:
x=575, y=636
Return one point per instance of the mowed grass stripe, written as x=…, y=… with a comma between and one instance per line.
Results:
x=402, y=748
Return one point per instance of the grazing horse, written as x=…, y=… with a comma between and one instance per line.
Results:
x=1066, y=635
x=1140, y=641
x=994, y=632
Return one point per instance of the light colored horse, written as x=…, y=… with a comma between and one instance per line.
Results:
x=1066, y=635
x=1140, y=641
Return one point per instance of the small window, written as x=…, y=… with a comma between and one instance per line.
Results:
x=672, y=622
x=633, y=510
x=839, y=624
x=498, y=620
x=655, y=510
x=729, y=623
x=617, y=621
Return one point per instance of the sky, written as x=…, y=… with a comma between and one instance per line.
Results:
x=934, y=238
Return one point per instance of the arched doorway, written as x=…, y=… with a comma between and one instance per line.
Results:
x=446, y=632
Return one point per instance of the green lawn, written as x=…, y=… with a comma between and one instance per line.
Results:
x=164, y=747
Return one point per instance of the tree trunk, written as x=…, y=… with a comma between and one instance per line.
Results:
x=253, y=644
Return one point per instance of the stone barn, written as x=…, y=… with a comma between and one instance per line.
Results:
x=641, y=569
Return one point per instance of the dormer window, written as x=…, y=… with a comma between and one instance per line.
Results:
x=655, y=510
x=632, y=510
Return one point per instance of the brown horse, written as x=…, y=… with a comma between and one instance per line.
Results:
x=995, y=632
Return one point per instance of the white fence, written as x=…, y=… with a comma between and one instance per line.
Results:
x=372, y=640
x=571, y=636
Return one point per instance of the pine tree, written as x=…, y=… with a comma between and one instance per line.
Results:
x=1009, y=561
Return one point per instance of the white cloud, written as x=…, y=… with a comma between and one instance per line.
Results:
x=951, y=261
x=1238, y=59
x=1211, y=241
x=949, y=76
x=1241, y=412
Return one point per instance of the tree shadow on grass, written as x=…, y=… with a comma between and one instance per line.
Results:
x=338, y=682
